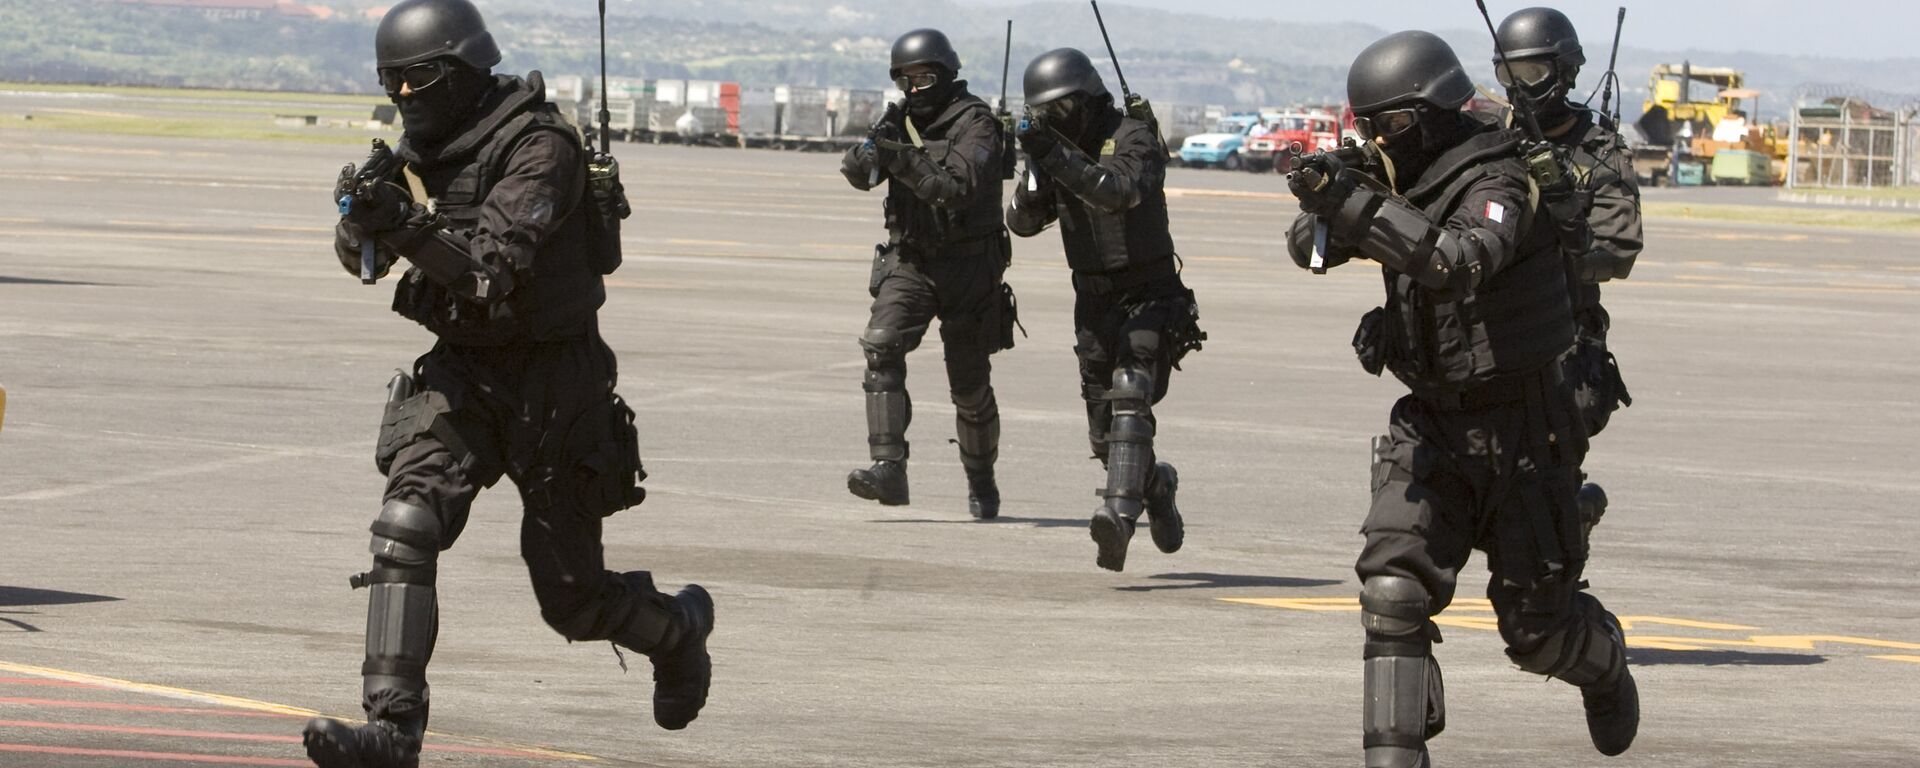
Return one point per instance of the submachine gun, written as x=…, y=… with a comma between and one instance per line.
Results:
x=1321, y=168
x=357, y=191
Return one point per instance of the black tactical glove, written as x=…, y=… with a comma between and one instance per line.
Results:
x=348, y=241
x=1036, y=138
x=1030, y=190
x=380, y=207
x=1319, y=191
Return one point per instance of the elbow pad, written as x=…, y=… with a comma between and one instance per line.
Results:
x=447, y=258
x=1089, y=180
x=1400, y=237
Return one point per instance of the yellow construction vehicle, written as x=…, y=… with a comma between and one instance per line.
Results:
x=1684, y=131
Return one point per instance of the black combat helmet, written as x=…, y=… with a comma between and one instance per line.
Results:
x=421, y=30
x=1541, y=33
x=1405, y=68
x=1059, y=73
x=924, y=46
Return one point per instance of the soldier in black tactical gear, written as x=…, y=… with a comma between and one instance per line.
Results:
x=1100, y=174
x=945, y=255
x=507, y=244
x=1484, y=452
x=1543, y=59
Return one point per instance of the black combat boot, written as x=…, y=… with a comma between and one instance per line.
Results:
x=1613, y=704
x=884, y=482
x=1112, y=528
x=983, y=496
x=682, y=670
x=1163, y=517
x=378, y=744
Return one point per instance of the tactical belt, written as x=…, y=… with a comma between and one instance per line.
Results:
x=1123, y=279
x=918, y=252
x=1500, y=391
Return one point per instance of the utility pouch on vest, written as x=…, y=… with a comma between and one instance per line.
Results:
x=1183, y=329
x=1369, y=341
x=885, y=256
x=602, y=460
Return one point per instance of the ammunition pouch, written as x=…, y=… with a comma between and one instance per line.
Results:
x=1369, y=341
x=601, y=461
x=1182, y=333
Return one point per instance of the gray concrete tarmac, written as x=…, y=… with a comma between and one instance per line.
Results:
x=194, y=384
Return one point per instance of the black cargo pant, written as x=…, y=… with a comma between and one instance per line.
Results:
x=961, y=286
x=1502, y=478
x=1590, y=368
x=1127, y=328
x=545, y=416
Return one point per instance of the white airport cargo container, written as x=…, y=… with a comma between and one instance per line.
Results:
x=855, y=109
x=803, y=111
x=759, y=111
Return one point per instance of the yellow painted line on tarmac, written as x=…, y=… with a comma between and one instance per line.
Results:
x=1476, y=614
x=237, y=702
x=1703, y=263
x=302, y=230
x=1905, y=269
x=1769, y=265
x=12, y=220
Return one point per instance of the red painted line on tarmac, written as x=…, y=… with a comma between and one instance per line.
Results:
x=253, y=737
x=118, y=707
x=45, y=682
x=138, y=755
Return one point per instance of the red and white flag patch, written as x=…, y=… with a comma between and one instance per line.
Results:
x=1496, y=212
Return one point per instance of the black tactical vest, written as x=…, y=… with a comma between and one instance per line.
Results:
x=1100, y=242
x=557, y=295
x=1518, y=320
x=919, y=227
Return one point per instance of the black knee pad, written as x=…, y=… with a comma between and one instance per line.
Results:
x=403, y=610
x=1587, y=649
x=885, y=348
x=1404, y=694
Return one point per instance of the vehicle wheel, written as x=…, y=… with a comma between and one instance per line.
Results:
x=1233, y=162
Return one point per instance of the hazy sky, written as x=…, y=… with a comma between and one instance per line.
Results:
x=1866, y=29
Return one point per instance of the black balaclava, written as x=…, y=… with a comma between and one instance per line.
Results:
x=1081, y=118
x=1439, y=130
x=927, y=103
x=436, y=114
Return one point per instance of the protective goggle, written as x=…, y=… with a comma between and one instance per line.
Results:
x=911, y=83
x=1526, y=73
x=1388, y=124
x=418, y=77
x=1055, y=111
